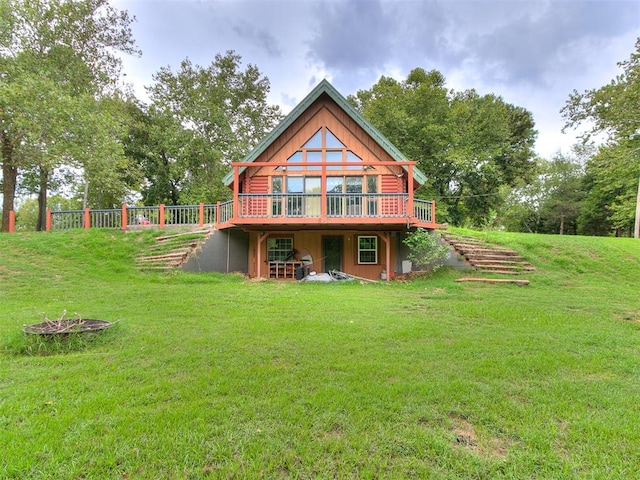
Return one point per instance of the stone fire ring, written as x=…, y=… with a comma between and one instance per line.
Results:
x=71, y=325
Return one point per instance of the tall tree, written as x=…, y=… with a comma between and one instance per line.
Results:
x=223, y=107
x=58, y=58
x=467, y=144
x=552, y=201
x=614, y=112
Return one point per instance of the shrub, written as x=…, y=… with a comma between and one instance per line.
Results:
x=425, y=251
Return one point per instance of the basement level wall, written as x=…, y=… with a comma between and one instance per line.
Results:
x=226, y=251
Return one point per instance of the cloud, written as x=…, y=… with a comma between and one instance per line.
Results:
x=537, y=45
x=532, y=53
x=259, y=37
x=351, y=36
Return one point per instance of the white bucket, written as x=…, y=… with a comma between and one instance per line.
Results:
x=406, y=266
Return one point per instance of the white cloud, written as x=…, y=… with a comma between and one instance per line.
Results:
x=531, y=53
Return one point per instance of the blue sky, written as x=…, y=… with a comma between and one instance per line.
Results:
x=531, y=53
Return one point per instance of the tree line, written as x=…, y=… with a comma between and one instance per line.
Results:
x=72, y=133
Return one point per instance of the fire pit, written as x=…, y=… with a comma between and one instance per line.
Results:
x=66, y=325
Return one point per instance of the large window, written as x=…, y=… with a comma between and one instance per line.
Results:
x=280, y=249
x=368, y=250
x=324, y=146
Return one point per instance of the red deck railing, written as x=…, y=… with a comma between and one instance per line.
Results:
x=271, y=208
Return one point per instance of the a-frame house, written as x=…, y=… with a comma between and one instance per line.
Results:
x=326, y=191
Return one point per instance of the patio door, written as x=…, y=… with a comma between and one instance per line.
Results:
x=331, y=253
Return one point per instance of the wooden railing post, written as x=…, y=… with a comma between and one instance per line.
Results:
x=411, y=213
x=48, y=221
x=12, y=221
x=217, y=220
x=124, y=218
x=87, y=218
x=201, y=214
x=433, y=211
x=161, y=215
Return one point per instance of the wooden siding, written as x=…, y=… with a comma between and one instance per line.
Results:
x=324, y=112
x=311, y=241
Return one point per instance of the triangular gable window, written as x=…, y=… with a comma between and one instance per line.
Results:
x=332, y=141
x=324, y=147
x=315, y=141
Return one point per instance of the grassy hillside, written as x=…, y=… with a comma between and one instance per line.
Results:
x=214, y=376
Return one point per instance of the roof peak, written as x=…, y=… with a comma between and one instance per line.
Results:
x=324, y=86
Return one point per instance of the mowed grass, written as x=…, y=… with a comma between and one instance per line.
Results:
x=217, y=376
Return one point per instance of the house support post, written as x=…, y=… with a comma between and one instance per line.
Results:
x=12, y=221
x=261, y=237
x=124, y=218
x=387, y=244
x=48, y=221
x=87, y=218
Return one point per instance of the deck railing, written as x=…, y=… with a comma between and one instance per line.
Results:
x=159, y=216
x=424, y=211
x=338, y=205
x=250, y=206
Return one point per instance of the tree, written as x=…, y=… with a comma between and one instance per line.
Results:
x=552, y=201
x=467, y=144
x=612, y=180
x=58, y=61
x=213, y=116
x=612, y=111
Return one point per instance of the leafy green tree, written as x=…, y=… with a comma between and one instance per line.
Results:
x=551, y=202
x=201, y=119
x=612, y=182
x=467, y=144
x=612, y=111
x=59, y=64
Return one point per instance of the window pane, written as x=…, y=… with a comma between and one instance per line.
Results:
x=334, y=157
x=332, y=141
x=294, y=184
x=312, y=185
x=334, y=184
x=314, y=156
x=276, y=198
x=279, y=249
x=368, y=250
x=276, y=184
x=315, y=141
x=354, y=184
x=353, y=158
x=296, y=157
x=372, y=184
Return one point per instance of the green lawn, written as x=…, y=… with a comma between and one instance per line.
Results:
x=214, y=376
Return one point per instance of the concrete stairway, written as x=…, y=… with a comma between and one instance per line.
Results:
x=172, y=251
x=485, y=257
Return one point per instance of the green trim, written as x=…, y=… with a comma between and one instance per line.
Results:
x=325, y=87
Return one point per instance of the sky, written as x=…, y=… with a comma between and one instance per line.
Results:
x=533, y=54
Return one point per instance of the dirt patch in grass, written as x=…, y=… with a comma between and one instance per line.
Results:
x=467, y=438
x=632, y=316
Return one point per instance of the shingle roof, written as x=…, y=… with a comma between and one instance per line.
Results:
x=325, y=87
